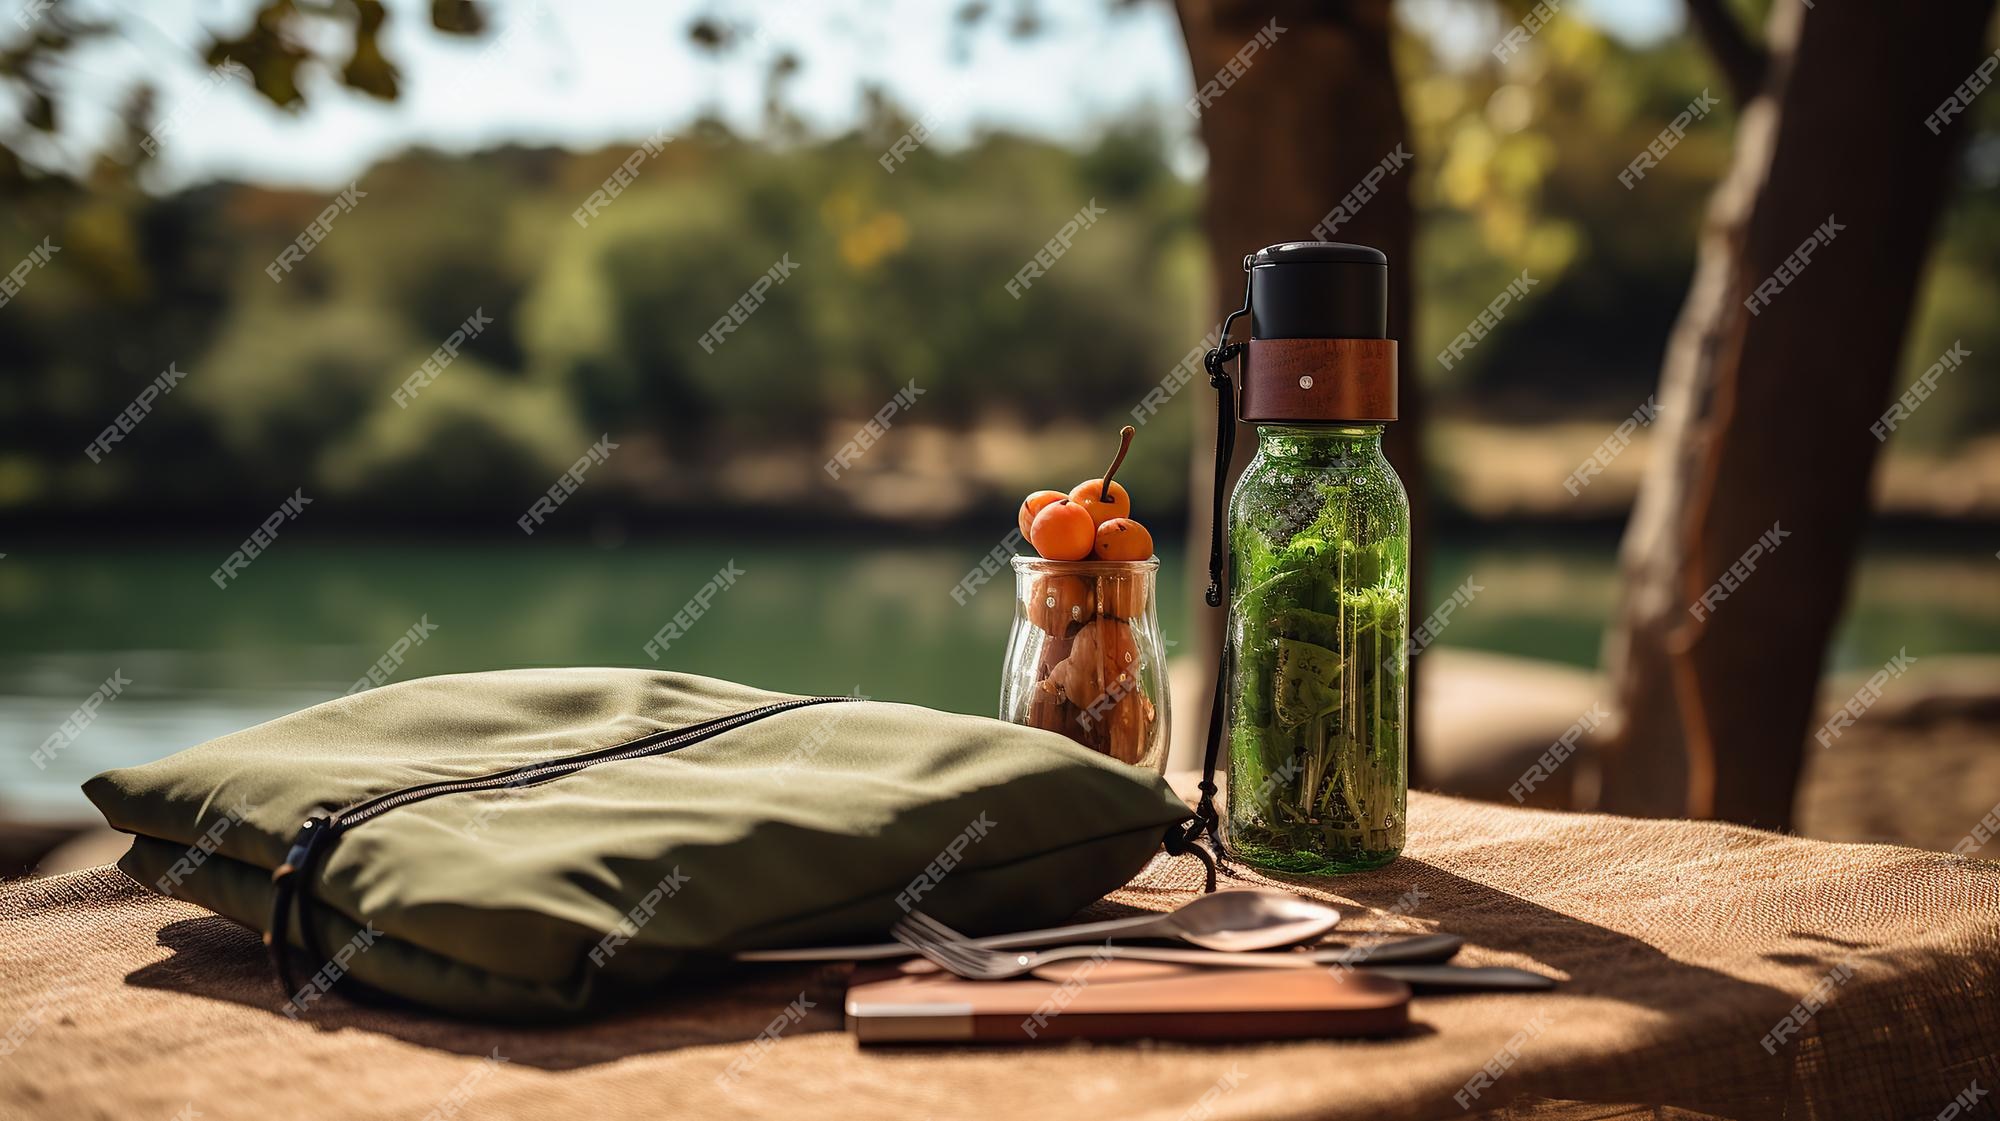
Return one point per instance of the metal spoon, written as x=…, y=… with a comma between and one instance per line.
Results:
x=1238, y=920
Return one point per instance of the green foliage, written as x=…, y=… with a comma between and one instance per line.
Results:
x=596, y=327
x=1519, y=169
x=900, y=277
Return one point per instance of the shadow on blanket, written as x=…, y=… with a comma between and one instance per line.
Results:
x=215, y=959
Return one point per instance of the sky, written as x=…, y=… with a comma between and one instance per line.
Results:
x=590, y=73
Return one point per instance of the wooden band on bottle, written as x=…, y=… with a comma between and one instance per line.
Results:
x=1319, y=380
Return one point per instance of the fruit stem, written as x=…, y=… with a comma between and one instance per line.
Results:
x=1125, y=435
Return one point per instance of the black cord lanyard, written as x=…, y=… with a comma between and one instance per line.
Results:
x=1206, y=822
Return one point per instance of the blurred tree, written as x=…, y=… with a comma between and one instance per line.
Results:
x=1766, y=410
x=1301, y=124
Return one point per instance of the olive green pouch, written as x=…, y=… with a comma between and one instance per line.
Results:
x=531, y=844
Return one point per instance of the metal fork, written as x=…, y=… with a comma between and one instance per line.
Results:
x=957, y=954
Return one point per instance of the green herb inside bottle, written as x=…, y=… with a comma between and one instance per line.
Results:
x=1319, y=548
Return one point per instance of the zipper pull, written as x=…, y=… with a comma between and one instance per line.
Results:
x=310, y=831
x=284, y=889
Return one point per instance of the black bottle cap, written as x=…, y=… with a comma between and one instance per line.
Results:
x=1319, y=290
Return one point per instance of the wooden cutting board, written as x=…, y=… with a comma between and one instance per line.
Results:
x=916, y=1003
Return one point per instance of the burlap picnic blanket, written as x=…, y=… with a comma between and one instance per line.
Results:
x=1708, y=971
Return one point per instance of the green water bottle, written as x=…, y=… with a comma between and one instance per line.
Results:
x=1313, y=701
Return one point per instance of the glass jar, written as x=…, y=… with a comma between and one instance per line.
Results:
x=1085, y=657
x=1319, y=532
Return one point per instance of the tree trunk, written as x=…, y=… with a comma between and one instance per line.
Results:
x=1313, y=113
x=1765, y=417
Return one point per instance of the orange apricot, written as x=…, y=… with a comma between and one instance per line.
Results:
x=1104, y=654
x=1032, y=505
x=1057, y=603
x=1121, y=596
x=1131, y=724
x=1048, y=711
x=1055, y=650
x=1063, y=531
x=1105, y=501
x=1122, y=539
x=1102, y=497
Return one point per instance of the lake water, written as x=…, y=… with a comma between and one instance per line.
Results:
x=309, y=618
